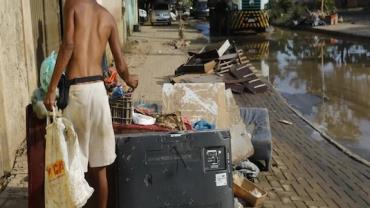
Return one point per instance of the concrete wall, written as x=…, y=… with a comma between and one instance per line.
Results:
x=17, y=76
x=131, y=14
x=115, y=7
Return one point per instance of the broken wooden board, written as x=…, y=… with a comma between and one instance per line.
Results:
x=235, y=88
x=252, y=83
x=224, y=47
x=197, y=68
x=211, y=53
x=229, y=56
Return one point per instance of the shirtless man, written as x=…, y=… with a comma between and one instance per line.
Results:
x=88, y=29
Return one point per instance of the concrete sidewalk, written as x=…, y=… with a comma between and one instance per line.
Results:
x=153, y=57
x=358, y=30
x=355, y=25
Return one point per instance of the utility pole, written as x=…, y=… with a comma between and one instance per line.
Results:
x=322, y=6
x=181, y=24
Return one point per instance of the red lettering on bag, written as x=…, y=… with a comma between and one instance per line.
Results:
x=55, y=170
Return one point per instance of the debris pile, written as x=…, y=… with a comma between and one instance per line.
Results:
x=227, y=64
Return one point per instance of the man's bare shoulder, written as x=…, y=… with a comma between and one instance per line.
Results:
x=106, y=15
x=71, y=4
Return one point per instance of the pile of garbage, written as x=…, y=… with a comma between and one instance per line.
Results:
x=201, y=97
x=303, y=13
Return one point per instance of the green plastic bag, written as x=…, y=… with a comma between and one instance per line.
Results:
x=46, y=71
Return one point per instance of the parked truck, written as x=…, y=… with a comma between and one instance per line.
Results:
x=228, y=16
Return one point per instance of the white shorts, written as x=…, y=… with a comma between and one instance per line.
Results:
x=88, y=110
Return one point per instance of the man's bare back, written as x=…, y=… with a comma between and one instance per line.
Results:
x=92, y=28
x=87, y=30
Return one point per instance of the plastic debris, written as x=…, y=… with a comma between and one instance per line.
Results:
x=256, y=193
x=203, y=125
x=286, y=122
x=237, y=203
x=248, y=169
x=143, y=119
x=46, y=71
x=117, y=92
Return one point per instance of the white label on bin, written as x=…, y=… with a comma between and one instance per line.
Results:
x=221, y=179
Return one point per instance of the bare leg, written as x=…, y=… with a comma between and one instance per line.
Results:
x=99, y=176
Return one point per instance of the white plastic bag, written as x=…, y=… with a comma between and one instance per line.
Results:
x=65, y=185
x=141, y=119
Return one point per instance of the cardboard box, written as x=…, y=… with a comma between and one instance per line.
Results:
x=197, y=101
x=244, y=189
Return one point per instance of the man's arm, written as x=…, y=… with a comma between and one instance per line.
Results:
x=119, y=61
x=64, y=55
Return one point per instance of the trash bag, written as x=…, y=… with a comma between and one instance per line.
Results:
x=248, y=169
x=65, y=184
x=46, y=71
x=38, y=106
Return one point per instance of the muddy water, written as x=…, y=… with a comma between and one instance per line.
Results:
x=325, y=78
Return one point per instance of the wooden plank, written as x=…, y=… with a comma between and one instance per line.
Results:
x=225, y=46
x=228, y=56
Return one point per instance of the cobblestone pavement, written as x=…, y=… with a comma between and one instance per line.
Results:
x=307, y=171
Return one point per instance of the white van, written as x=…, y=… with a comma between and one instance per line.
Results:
x=160, y=13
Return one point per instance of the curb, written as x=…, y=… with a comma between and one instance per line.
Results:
x=364, y=38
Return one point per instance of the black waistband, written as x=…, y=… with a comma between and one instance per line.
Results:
x=85, y=79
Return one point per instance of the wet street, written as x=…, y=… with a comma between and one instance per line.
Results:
x=327, y=79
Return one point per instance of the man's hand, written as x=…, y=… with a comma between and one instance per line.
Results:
x=132, y=82
x=49, y=100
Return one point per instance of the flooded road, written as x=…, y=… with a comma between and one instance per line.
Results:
x=327, y=79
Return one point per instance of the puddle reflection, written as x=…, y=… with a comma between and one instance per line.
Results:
x=327, y=79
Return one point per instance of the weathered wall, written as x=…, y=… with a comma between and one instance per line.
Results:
x=45, y=17
x=131, y=14
x=115, y=8
x=17, y=76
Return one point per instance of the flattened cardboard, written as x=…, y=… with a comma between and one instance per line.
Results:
x=241, y=139
x=197, y=101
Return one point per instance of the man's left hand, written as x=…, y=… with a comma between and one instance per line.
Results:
x=49, y=100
